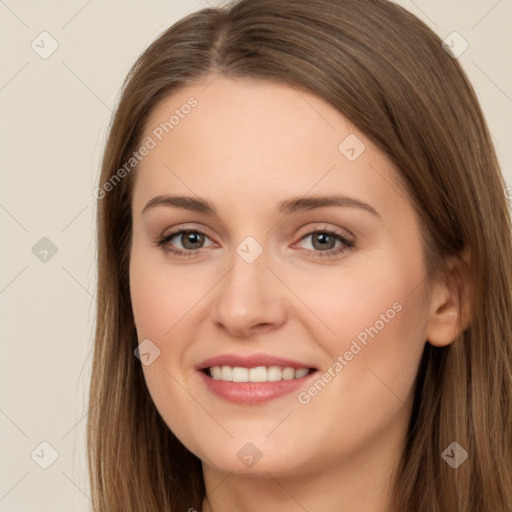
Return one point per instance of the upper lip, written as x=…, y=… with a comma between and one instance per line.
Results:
x=250, y=361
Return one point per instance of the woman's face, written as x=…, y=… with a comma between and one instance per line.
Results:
x=308, y=260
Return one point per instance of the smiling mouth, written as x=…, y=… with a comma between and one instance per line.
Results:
x=256, y=374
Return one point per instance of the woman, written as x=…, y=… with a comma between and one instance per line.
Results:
x=304, y=272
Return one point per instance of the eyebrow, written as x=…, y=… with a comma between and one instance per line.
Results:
x=293, y=205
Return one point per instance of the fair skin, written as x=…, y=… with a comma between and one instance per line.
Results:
x=245, y=148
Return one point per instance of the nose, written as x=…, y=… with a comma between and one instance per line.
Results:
x=250, y=298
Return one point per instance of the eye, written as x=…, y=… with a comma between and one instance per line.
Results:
x=324, y=243
x=191, y=241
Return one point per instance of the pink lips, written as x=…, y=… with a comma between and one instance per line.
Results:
x=251, y=392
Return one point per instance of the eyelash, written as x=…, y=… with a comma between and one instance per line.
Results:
x=347, y=244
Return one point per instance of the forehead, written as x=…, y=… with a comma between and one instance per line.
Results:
x=260, y=139
x=247, y=118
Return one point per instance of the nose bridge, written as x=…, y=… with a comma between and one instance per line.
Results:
x=249, y=295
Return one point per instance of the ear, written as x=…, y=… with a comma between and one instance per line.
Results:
x=450, y=302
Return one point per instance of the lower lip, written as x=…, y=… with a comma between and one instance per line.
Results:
x=252, y=392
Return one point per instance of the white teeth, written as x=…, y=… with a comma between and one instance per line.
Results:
x=274, y=373
x=257, y=374
x=301, y=372
x=226, y=373
x=240, y=374
x=288, y=373
x=216, y=372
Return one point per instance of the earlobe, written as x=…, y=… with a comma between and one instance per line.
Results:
x=450, y=301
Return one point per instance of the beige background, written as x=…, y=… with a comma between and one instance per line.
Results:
x=54, y=117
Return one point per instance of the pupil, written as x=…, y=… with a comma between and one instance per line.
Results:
x=192, y=238
x=323, y=238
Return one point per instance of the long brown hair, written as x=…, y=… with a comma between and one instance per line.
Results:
x=387, y=72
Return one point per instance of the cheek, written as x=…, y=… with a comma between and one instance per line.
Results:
x=163, y=299
x=380, y=301
x=161, y=294
x=379, y=317
x=372, y=307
